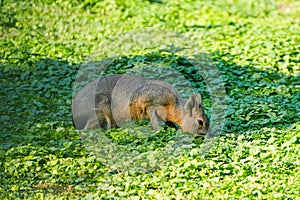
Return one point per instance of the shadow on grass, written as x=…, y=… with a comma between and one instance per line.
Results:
x=41, y=96
x=37, y=136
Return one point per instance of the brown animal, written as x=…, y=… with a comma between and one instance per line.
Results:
x=114, y=100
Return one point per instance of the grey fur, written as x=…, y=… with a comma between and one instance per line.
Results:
x=114, y=100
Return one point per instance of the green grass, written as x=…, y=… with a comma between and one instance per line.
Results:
x=255, y=47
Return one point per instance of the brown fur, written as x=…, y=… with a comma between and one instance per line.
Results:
x=117, y=99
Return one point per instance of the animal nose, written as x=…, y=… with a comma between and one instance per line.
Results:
x=202, y=132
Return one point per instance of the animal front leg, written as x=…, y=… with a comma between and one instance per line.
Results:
x=157, y=114
x=153, y=118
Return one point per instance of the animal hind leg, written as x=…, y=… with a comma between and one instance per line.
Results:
x=92, y=123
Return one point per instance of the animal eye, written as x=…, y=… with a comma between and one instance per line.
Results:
x=200, y=122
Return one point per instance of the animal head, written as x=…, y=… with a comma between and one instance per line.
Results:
x=194, y=119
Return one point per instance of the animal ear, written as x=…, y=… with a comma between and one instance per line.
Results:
x=198, y=100
x=190, y=104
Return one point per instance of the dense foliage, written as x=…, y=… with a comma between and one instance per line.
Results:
x=254, y=44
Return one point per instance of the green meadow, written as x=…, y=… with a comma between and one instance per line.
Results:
x=250, y=49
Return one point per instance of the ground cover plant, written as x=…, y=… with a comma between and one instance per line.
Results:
x=255, y=45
